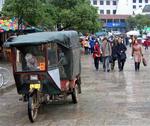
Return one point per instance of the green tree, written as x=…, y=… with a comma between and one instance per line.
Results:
x=31, y=11
x=131, y=22
x=79, y=15
x=74, y=14
x=139, y=21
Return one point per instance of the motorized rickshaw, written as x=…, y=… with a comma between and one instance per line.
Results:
x=46, y=66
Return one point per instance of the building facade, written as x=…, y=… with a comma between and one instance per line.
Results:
x=119, y=6
x=113, y=13
x=137, y=4
x=114, y=22
x=105, y=6
x=1, y=4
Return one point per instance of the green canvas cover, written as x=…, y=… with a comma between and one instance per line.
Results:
x=69, y=40
x=65, y=38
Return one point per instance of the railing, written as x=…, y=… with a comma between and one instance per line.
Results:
x=4, y=76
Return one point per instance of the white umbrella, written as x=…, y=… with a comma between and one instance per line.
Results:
x=133, y=33
x=148, y=35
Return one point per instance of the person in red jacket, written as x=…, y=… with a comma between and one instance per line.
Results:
x=96, y=54
x=146, y=44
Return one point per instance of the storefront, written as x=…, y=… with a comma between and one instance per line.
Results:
x=114, y=22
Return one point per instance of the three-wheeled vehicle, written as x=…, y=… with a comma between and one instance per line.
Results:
x=46, y=66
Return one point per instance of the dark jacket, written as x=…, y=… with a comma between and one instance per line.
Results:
x=121, y=48
x=114, y=51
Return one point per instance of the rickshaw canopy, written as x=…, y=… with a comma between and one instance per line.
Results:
x=68, y=39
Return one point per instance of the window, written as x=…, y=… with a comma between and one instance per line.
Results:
x=101, y=2
x=140, y=6
x=103, y=20
x=134, y=1
x=134, y=6
x=30, y=58
x=114, y=3
x=140, y=1
x=101, y=11
x=107, y=2
x=108, y=11
x=146, y=1
x=94, y=2
x=122, y=20
x=114, y=11
x=52, y=54
x=62, y=61
x=116, y=20
x=109, y=20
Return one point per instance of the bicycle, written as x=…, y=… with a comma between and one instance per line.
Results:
x=4, y=76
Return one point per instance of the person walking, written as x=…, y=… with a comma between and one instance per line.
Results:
x=114, y=53
x=96, y=54
x=91, y=43
x=86, y=46
x=106, y=53
x=137, y=54
x=146, y=44
x=121, y=55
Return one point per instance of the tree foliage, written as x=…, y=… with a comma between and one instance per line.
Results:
x=30, y=10
x=139, y=21
x=63, y=14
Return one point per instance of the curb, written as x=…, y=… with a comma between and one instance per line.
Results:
x=7, y=89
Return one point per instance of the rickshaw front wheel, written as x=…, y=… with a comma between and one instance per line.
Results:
x=32, y=107
x=79, y=85
x=74, y=94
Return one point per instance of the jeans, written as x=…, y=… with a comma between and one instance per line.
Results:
x=146, y=47
x=86, y=50
x=96, y=62
x=121, y=64
x=113, y=64
x=106, y=63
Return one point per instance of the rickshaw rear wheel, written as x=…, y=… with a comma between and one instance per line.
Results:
x=32, y=107
x=74, y=95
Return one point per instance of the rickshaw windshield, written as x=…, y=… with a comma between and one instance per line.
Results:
x=30, y=58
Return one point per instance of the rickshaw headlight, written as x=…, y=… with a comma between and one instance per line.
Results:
x=33, y=77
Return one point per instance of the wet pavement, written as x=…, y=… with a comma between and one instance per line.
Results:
x=107, y=99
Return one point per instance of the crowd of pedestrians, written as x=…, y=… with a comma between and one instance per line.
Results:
x=108, y=50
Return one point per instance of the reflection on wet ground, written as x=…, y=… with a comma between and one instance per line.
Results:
x=107, y=99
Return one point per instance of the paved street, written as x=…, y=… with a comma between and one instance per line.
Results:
x=107, y=99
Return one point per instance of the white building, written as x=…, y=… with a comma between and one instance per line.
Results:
x=127, y=7
x=105, y=6
x=124, y=7
x=1, y=4
x=138, y=5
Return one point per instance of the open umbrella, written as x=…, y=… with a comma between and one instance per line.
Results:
x=148, y=35
x=100, y=33
x=136, y=33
